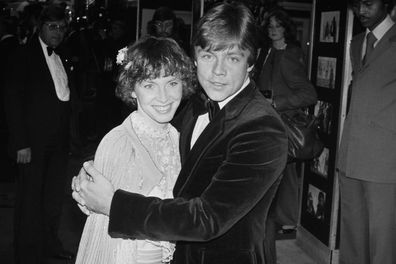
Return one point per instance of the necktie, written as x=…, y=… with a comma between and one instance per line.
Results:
x=370, y=40
x=50, y=50
x=213, y=108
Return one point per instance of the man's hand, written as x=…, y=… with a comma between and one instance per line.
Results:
x=92, y=190
x=24, y=156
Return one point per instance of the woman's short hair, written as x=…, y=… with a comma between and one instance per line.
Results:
x=153, y=57
x=283, y=18
x=226, y=25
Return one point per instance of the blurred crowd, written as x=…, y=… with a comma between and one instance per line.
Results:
x=91, y=44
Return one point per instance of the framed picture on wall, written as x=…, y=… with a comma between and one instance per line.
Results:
x=320, y=164
x=324, y=113
x=326, y=73
x=329, y=26
x=316, y=203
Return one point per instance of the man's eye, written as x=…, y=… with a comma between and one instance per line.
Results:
x=234, y=59
x=174, y=83
x=206, y=56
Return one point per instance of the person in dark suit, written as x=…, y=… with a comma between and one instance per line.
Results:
x=282, y=78
x=231, y=164
x=367, y=156
x=8, y=44
x=38, y=95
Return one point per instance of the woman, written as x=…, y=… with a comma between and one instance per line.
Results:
x=155, y=75
x=283, y=80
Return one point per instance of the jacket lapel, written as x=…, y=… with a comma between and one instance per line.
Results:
x=209, y=137
x=383, y=45
x=356, y=49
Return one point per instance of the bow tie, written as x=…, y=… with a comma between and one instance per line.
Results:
x=51, y=50
x=212, y=107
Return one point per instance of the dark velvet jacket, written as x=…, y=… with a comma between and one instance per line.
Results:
x=224, y=190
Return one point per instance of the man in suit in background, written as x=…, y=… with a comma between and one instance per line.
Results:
x=232, y=165
x=367, y=156
x=38, y=108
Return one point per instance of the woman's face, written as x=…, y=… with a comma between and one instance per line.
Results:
x=159, y=98
x=275, y=30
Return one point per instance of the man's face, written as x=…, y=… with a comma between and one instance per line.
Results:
x=370, y=12
x=222, y=73
x=164, y=28
x=53, y=32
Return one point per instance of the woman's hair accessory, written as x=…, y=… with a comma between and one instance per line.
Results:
x=122, y=55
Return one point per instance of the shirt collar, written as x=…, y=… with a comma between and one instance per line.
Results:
x=223, y=103
x=383, y=27
x=44, y=47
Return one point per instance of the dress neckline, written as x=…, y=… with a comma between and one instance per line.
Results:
x=143, y=126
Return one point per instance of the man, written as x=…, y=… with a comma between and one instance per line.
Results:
x=8, y=44
x=37, y=108
x=232, y=164
x=164, y=23
x=367, y=156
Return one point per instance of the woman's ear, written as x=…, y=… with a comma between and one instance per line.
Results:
x=133, y=95
x=195, y=63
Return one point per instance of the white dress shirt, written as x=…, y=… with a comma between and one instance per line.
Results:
x=58, y=73
x=203, y=120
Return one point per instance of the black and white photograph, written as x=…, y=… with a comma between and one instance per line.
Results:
x=316, y=202
x=329, y=26
x=320, y=164
x=324, y=113
x=326, y=73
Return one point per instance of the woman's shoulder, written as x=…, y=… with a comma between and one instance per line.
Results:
x=117, y=137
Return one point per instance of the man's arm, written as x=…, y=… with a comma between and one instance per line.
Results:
x=255, y=160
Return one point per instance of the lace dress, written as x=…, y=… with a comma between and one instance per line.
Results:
x=137, y=157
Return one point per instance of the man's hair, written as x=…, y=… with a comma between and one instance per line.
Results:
x=227, y=25
x=389, y=3
x=152, y=57
x=52, y=12
x=164, y=13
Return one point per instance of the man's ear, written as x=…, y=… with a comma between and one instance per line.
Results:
x=195, y=63
x=250, y=68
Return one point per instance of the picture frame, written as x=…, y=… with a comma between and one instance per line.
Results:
x=316, y=203
x=324, y=113
x=320, y=164
x=330, y=27
x=326, y=72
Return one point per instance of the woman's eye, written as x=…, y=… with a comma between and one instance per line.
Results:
x=148, y=86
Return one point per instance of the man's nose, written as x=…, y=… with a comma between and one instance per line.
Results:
x=219, y=67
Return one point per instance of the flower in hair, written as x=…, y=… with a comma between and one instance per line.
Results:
x=121, y=56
